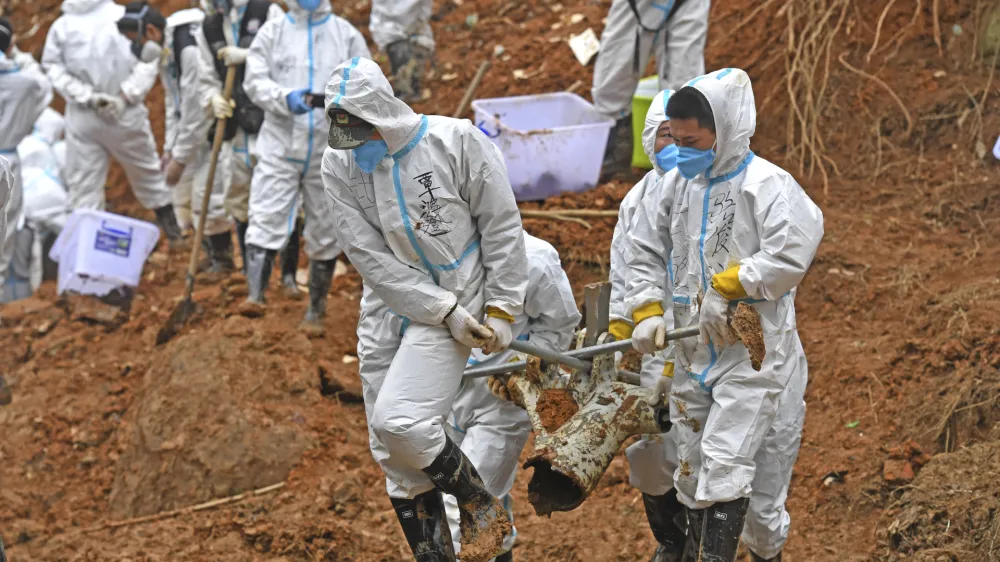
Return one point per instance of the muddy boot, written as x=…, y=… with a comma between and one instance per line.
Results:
x=220, y=250
x=425, y=527
x=755, y=558
x=484, y=521
x=662, y=513
x=320, y=277
x=721, y=530
x=259, y=265
x=408, y=61
x=290, y=265
x=241, y=239
x=618, y=154
x=167, y=220
x=505, y=557
x=695, y=522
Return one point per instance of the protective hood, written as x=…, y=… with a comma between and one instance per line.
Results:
x=298, y=13
x=82, y=6
x=657, y=114
x=730, y=94
x=359, y=87
x=49, y=125
x=185, y=17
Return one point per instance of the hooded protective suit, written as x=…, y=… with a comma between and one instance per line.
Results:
x=187, y=125
x=297, y=51
x=434, y=225
x=731, y=437
x=85, y=55
x=240, y=160
x=24, y=95
x=36, y=150
x=492, y=431
x=396, y=20
x=674, y=31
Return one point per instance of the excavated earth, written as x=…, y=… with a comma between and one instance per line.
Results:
x=898, y=316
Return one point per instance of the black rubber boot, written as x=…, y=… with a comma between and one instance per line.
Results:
x=290, y=264
x=721, y=530
x=425, y=527
x=484, y=521
x=505, y=557
x=241, y=239
x=755, y=558
x=167, y=220
x=618, y=154
x=259, y=265
x=220, y=248
x=692, y=544
x=3, y=557
x=663, y=512
x=320, y=277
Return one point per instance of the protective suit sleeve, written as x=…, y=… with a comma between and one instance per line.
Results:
x=192, y=128
x=140, y=81
x=407, y=291
x=264, y=92
x=617, y=272
x=791, y=228
x=551, y=306
x=647, y=249
x=491, y=201
x=71, y=88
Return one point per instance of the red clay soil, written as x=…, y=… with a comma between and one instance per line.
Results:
x=897, y=316
x=555, y=407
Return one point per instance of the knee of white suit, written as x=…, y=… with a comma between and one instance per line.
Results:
x=413, y=441
x=651, y=464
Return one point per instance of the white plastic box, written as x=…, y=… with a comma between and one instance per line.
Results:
x=551, y=143
x=99, y=252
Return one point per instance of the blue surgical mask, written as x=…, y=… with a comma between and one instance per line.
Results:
x=691, y=161
x=666, y=159
x=309, y=5
x=368, y=155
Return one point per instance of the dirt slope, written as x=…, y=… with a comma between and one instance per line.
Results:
x=898, y=316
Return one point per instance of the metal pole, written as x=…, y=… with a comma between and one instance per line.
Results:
x=550, y=356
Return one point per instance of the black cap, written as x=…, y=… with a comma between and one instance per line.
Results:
x=6, y=34
x=347, y=131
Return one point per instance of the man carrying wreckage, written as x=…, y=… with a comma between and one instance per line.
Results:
x=733, y=228
x=425, y=212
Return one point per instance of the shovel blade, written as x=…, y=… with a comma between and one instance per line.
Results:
x=178, y=318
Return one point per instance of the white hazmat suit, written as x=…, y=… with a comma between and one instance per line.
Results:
x=492, y=431
x=398, y=20
x=297, y=51
x=36, y=150
x=24, y=95
x=85, y=57
x=737, y=429
x=433, y=226
x=674, y=31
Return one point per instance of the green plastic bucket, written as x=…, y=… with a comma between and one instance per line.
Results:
x=643, y=98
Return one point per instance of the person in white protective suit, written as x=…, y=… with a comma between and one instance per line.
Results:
x=490, y=430
x=672, y=31
x=735, y=228
x=37, y=150
x=652, y=459
x=286, y=69
x=402, y=30
x=426, y=214
x=226, y=33
x=187, y=148
x=24, y=95
x=104, y=80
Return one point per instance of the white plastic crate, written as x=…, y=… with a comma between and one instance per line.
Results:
x=99, y=252
x=551, y=143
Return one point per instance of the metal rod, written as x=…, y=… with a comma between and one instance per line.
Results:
x=624, y=345
x=549, y=355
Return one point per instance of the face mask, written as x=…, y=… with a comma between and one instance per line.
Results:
x=368, y=155
x=309, y=5
x=666, y=159
x=150, y=52
x=692, y=161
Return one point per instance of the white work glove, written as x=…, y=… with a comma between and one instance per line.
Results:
x=466, y=329
x=221, y=107
x=501, y=335
x=650, y=335
x=498, y=387
x=233, y=56
x=107, y=106
x=713, y=319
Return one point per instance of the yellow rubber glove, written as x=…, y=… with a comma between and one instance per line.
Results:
x=620, y=329
x=647, y=311
x=728, y=283
x=494, y=312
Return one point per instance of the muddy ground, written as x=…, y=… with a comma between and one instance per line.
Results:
x=886, y=123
